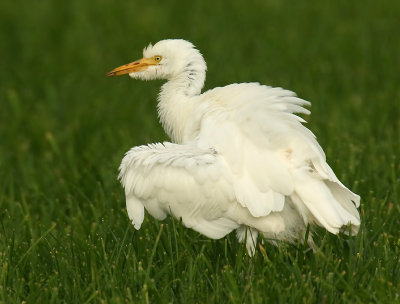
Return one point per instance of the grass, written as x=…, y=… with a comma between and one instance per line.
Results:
x=64, y=127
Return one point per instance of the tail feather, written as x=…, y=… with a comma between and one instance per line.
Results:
x=331, y=206
x=348, y=200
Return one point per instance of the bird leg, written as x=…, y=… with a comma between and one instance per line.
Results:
x=249, y=235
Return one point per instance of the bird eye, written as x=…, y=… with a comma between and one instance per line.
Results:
x=157, y=58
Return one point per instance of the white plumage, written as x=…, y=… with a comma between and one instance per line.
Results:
x=240, y=158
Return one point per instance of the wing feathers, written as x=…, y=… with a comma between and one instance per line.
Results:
x=274, y=149
x=135, y=211
x=248, y=152
x=188, y=182
x=216, y=229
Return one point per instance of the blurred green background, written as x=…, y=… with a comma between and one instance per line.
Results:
x=64, y=127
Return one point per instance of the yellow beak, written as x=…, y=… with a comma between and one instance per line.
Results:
x=136, y=66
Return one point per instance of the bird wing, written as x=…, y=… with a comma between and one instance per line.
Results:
x=188, y=182
x=270, y=153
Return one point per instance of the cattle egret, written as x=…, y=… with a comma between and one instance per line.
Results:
x=239, y=157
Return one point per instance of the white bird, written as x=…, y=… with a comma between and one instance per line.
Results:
x=239, y=158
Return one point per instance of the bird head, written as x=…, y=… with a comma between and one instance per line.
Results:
x=167, y=59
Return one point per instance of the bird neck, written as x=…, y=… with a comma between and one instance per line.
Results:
x=176, y=101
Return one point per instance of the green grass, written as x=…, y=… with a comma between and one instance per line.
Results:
x=64, y=127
